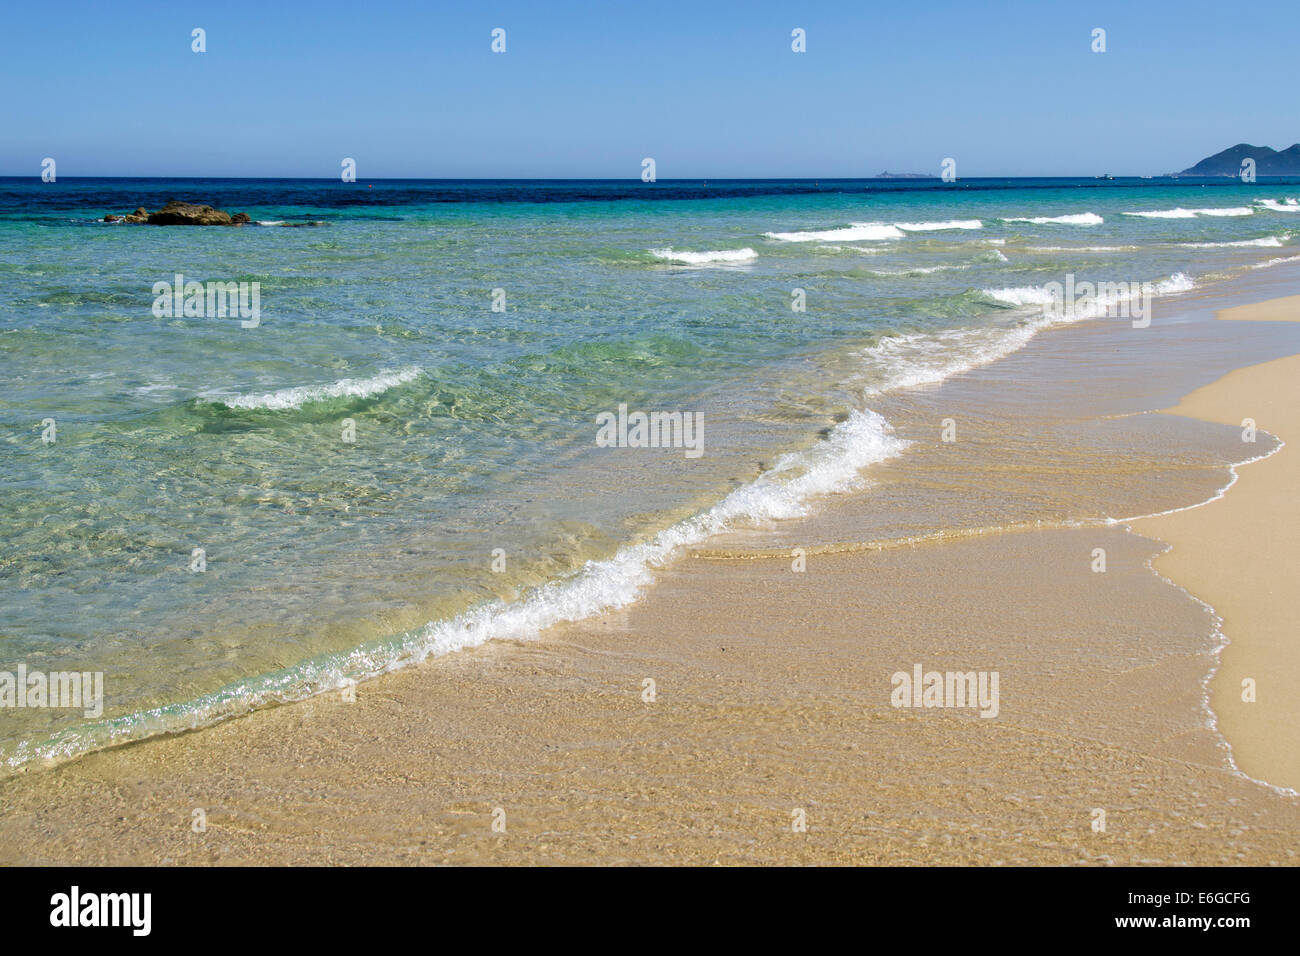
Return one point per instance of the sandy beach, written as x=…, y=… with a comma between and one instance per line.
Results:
x=742, y=711
x=1239, y=554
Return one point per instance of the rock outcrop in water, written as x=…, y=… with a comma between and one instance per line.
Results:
x=180, y=213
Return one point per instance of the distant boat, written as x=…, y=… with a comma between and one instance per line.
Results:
x=1104, y=176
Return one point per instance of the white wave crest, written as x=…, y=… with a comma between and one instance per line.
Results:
x=919, y=270
x=1181, y=213
x=1286, y=205
x=1021, y=295
x=1275, y=262
x=926, y=358
x=855, y=232
x=936, y=226
x=1095, y=306
x=1164, y=214
x=289, y=398
x=706, y=258
x=1178, y=282
x=782, y=492
x=1074, y=219
x=1268, y=242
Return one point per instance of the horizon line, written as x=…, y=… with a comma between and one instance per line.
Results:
x=677, y=179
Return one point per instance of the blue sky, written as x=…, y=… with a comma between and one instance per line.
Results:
x=589, y=89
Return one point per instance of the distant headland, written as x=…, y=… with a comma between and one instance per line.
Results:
x=1268, y=161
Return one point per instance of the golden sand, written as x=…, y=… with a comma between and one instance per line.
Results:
x=741, y=711
x=771, y=697
x=1240, y=554
x=1283, y=309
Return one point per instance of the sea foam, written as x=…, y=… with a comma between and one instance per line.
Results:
x=923, y=358
x=873, y=231
x=926, y=358
x=1074, y=219
x=1275, y=262
x=936, y=226
x=1268, y=242
x=856, y=232
x=711, y=257
x=296, y=397
x=1098, y=305
x=1181, y=213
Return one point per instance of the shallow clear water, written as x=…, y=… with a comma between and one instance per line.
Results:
x=472, y=500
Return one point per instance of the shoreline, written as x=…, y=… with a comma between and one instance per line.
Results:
x=771, y=694
x=1235, y=553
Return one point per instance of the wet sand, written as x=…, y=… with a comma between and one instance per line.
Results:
x=772, y=677
x=768, y=700
x=1240, y=553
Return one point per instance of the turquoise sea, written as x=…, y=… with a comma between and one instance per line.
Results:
x=400, y=459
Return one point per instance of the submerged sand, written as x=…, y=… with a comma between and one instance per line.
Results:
x=772, y=678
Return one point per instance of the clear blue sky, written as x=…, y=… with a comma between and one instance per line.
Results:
x=709, y=89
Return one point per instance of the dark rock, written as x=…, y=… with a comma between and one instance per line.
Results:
x=177, y=213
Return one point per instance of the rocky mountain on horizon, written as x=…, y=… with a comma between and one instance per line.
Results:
x=1268, y=161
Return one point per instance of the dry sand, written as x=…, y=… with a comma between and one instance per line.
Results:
x=1240, y=554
